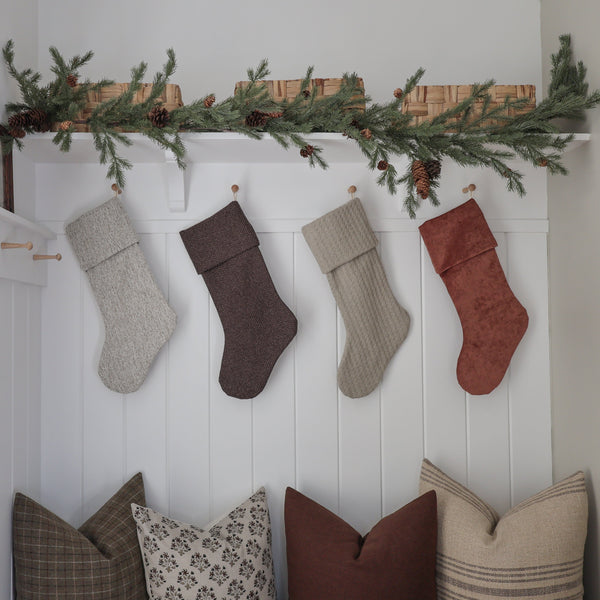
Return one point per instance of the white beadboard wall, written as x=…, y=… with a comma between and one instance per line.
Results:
x=202, y=452
x=20, y=410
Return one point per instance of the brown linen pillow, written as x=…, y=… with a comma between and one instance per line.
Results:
x=101, y=560
x=329, y=560
x=535, y=551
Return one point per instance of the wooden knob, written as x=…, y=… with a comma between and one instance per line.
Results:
x=472, y=187
x=352, y=189
x=10, y=245
x=115, y=188
x=235, y=188
x=47, y=257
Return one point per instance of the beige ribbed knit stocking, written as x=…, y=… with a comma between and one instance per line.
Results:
x=344, y=245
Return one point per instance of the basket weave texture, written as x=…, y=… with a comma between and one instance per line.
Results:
x=170, y=99
x=288, y=89
x=428, y=101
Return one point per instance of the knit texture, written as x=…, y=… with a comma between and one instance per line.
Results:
x=138, y=321
x=344, y=246
x=462, y=251
x=258, y=326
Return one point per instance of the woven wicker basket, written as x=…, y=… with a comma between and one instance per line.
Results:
x=427, y=101
x=282, y=89
x=171, y=99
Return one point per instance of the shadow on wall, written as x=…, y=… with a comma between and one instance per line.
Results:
x=591, y=577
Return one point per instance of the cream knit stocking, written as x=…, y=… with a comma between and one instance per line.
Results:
x=345, y=249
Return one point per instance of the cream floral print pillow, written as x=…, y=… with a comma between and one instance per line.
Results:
x=231, y=560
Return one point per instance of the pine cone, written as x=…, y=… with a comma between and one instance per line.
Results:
x=209, y=101
x=398, y=93
x=307, y=151
x=275, y=115
x=543, y=162
x=366, y=133
x=16, y=132
x=64, y=126
x=382, y=165
x=38, y=120
x=71, y=80
x=257, y=118
x=159, y=116
x=19, y=120
x=434, y=168
x=421, y=178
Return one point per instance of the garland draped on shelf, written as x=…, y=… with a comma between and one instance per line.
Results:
x=476, y=132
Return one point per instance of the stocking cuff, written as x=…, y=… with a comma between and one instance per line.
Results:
x=100, y=233
x=457, y=236
x=340, y=235
x=220, y=237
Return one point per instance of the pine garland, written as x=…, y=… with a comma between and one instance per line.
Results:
x=486, y=137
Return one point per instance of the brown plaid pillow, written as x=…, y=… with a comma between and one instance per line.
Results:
x=101, y=560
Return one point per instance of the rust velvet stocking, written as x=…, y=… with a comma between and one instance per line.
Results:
x=462, y=250
x=258, y=326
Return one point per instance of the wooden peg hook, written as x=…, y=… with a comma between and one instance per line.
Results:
x=235, y=188
x=11, y=245
x=470, y=188
x=352, y=191
x=116, y=189
x=57, y=257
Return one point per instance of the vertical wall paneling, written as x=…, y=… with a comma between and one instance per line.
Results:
x=402, y=386
x=146, y=411
x=188, y=392
x=444, y=401
x=316, y=395
x=62, y=374
x=360, y=452
x=35, y=390
x=20, y=384
x=530, y=418
x=202, y=452
x=273, y=409
x=103, y=452
x=488, y=434
x=6, y=437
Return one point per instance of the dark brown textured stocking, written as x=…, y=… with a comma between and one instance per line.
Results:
x=257, y=324
x=462, y=250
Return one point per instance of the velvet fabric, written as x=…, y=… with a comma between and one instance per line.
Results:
x=329, y=560
x=462, y=250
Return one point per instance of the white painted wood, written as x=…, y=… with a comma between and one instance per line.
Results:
x=175, y=183
x=444, y=401
x=273, y=409
x=529, y=400
x=402, y=385
x=17, y=264
x=103, y=435
x=62, y=385
x=20, y=386
x=488, y=434
x=6, y=437
x=316, y=381
x=188, y=391
x=146, y=410
x=34, y=342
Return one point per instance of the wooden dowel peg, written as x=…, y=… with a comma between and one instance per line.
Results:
x=352, y=191
x=47, y=257
x=235, y=189
x=470, y=188
x=116, y=189
x=11, y=245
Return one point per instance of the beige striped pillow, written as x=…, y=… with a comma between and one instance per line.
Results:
x=534, y=551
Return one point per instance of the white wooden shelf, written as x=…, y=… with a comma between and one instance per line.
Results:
x=209, y=147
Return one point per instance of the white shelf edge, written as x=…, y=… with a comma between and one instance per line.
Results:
x=18, y=221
